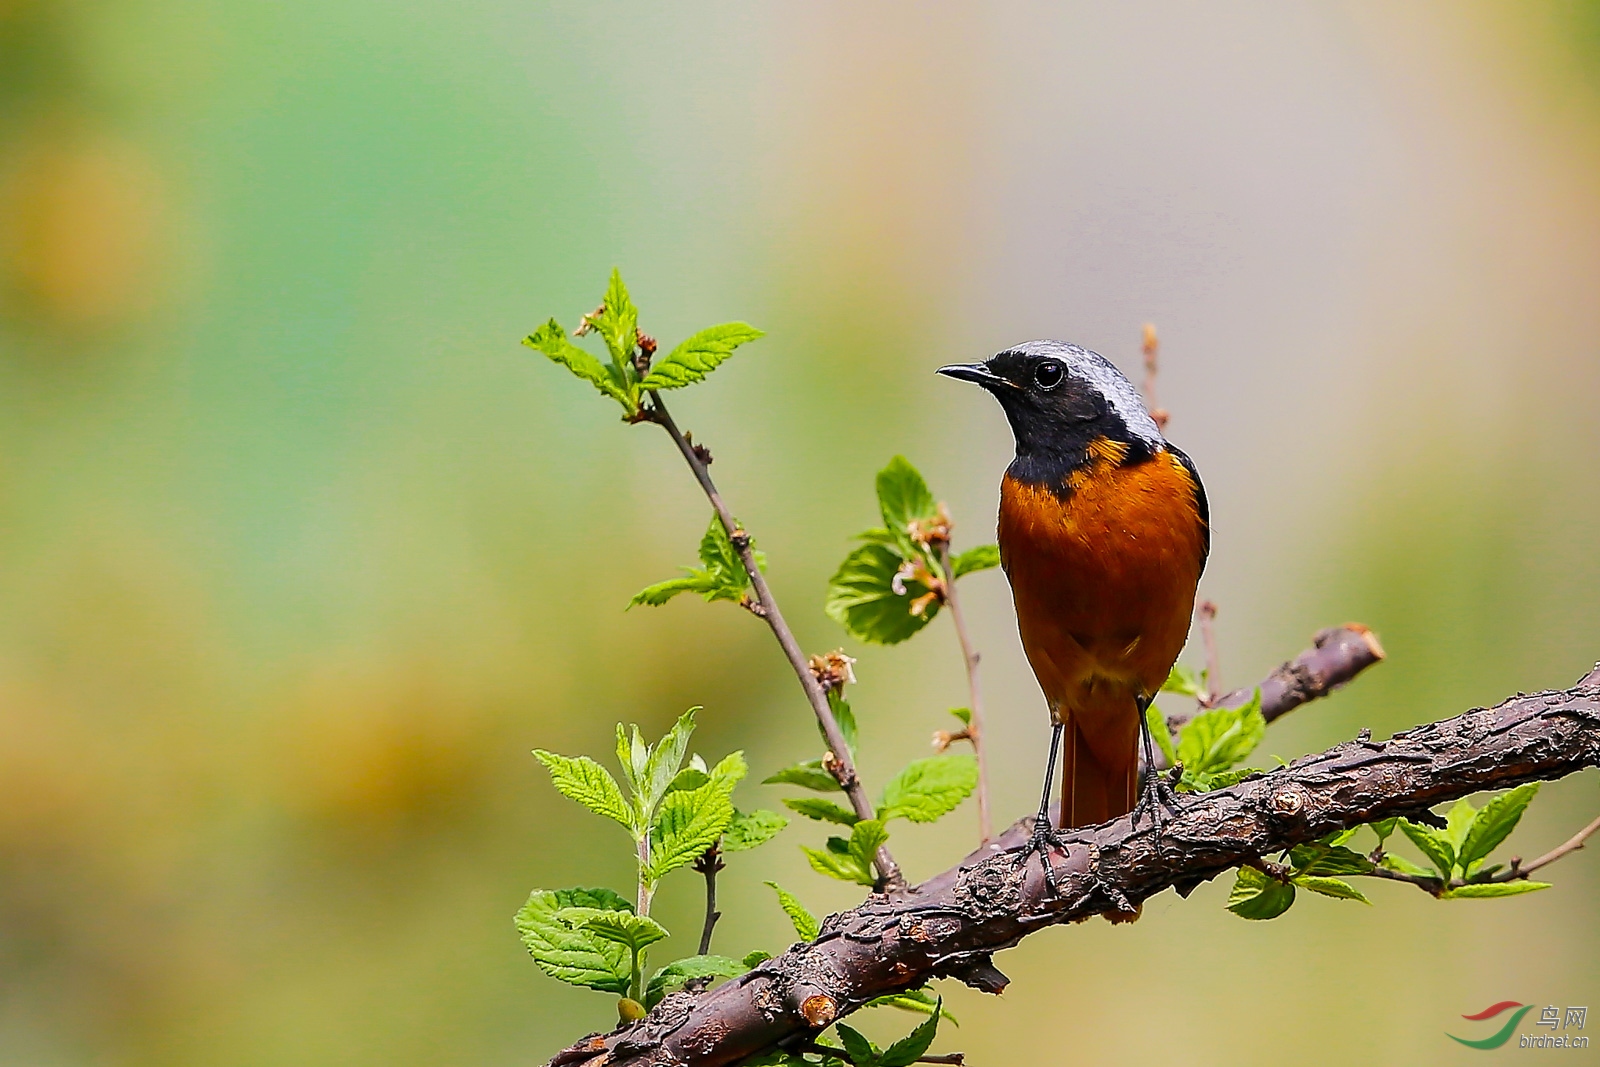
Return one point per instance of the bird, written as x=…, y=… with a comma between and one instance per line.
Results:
x=1104, y=530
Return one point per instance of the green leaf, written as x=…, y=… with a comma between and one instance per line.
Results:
x=850, y=861
x=577, y=957
x=806, y=925
x=552, y=340
x=1341, y=837
x=618, y=323
x=584, y=780
x=1394, y=862
x=693, y=820
x=862, y=1052
x=1209, y=780
x=1216, y=739
x=1321, y=859
x=1434, y=845
x=675, y=974
x=749, y=829
x=866, y=837
x=698, y=356
x=1331, y=887
x=845, y=718
x=903, y=496
x=982, y=558
x=689, y=778
x=964, y=714
x=756, y=958
x=665, y=759
x=921, y=1001
x=1256, y=896
x=635, y=932
x=625, y=756
x=822, y=810
x=696, y=581
x=906, y=1051
x=1495, y=822
x=1161, y=734
x=1383, y=828
x=1184, y=681
x=861, y=597
x=1458, y=820
x=928, y=788
x=1496, y=889
x=810, y=775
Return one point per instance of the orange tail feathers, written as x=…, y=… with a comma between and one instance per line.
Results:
x=1094, y=788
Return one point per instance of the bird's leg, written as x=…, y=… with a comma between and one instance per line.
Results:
x=1155, y=791
x=1044, y=835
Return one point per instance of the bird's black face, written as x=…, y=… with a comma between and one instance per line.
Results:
x=1051, y=405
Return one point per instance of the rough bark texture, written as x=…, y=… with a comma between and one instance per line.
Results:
x=950, y=925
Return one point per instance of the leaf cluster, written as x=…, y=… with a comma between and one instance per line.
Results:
x=720, y=576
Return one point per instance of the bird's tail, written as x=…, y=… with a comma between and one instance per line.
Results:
x=1100, y=779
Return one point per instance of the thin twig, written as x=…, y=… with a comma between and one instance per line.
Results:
x=1152, y=365
x=969, y=657
x=1516, y=871
x=1572, y=844
x=709, y=864
x=1207, y=611
x=841, y=765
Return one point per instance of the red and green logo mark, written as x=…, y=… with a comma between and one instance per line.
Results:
x=1501, y=1036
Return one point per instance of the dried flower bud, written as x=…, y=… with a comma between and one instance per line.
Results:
x=834, y=670
x=586, y=323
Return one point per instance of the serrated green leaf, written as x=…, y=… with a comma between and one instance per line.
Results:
x=665, y=759
x=862, y=599
x=693, y=820
x=1161, y=734
x=1330, y=887
x=625, y=756
x=903, y=496
x=552, y=340
x=584, y=780
x=982, y=558
x=928, y=788
x=1320, y=859
x=862, y=1052
x=845, y=718
x=698, y=356
x=809, y=775
x=618, y=323
x=695, y=581
x=749, y=829
x=1394, y=862
x=908, y=1049
x=866, y=837
x=635, y=932
x=1495, y=822
x=675, y=974
x=1216, y=739
x=850, y=861
x=1256, y=896
x=806, y=925
x=1458, y=820
x=577, y=957
x=821, y=810
x=1207, y=781
x=756, y=958
x=838, y=865
x=1434, y=845
x=1496, y=889
x=1184, y=681
x=638, y=759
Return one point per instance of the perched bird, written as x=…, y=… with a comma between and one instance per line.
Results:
x=1104, y=531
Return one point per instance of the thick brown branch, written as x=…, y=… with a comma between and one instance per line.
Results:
x=845, y=771
x=951, y=925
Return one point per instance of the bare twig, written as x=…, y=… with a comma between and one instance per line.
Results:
x=1572, y=844
x=1515, y=871
x=709, y=863
x=969, y=657
x=841, y=765
x=1207, y=611
x=1152, y=365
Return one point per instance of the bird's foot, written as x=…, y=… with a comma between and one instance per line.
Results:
x=1040, y=842
x=1159, y=793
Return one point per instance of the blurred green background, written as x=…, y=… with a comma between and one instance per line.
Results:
x=300, y=553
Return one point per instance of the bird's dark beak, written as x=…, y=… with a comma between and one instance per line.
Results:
x=977, y=373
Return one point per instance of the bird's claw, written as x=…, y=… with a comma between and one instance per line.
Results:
x=1159, y=792
x=1043, y=838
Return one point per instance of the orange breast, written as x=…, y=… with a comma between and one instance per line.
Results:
x=1104, y=575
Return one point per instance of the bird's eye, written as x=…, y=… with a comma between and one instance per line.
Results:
x=1049, y=374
